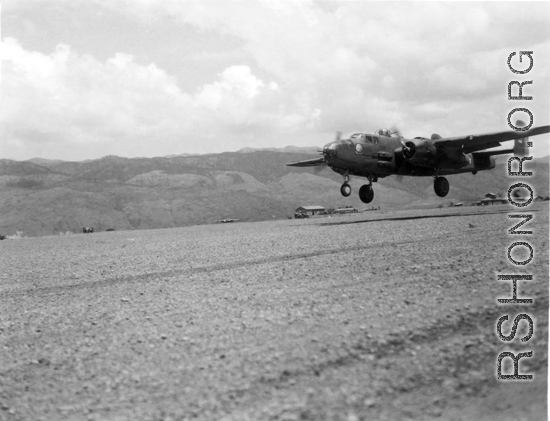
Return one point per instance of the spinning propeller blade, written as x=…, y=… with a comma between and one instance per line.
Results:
x=319, y=168
x=406, y=149
x=394, y=130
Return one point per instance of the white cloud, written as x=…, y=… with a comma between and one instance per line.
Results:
x=237, y=83
x=241, y=104
x=71, y=101
x=304, y=69
x=67, y=98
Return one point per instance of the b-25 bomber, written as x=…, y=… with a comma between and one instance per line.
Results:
x=387, y=153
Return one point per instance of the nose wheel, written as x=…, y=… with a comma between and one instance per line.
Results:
x=345, y=189
x=366, y=193
x=441, y=186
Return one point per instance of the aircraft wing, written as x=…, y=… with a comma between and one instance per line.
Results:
x=473, y=143
x=308, y=163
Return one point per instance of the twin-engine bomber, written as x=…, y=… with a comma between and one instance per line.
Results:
x=385, y=153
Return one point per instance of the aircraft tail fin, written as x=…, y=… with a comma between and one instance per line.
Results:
x=521, y=147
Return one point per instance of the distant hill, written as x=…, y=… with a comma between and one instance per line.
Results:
x=44, y=161
x=181, y=154
x=295, y=149
x=45, y=197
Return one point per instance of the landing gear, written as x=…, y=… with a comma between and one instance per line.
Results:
x=441, y=186
x=346, y=188
x=366, y=193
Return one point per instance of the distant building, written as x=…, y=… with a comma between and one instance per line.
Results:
x=489, y=201
x=347, y=209
x=491, y=196
x=310, y=210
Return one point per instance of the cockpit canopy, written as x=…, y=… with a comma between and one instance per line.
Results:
x=383, y=132
x=362, y=137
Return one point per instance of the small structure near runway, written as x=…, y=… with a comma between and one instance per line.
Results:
x=309, y=210
x=492, y=199
x=345, y=210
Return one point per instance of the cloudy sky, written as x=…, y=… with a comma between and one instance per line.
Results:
x=82, y=79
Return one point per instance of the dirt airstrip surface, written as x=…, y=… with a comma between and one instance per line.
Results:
x=374, y=316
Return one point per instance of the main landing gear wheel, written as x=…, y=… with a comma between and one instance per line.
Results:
x=441, y=186
x=366, y=193
x=345, y=189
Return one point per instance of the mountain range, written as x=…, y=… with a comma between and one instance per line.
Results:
x=47, y=197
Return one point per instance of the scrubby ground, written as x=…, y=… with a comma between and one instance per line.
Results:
x=375, y=316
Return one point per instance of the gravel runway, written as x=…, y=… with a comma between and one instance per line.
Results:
x=373, y=316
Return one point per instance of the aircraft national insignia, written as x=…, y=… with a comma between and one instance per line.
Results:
x=387, y=153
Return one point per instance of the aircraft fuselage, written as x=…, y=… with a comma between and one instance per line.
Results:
x=378, y=156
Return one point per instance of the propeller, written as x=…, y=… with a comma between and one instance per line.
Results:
x=408, y=150
x=318, y=168
x=394, y=130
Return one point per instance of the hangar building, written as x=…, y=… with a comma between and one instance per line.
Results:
x=310, y=210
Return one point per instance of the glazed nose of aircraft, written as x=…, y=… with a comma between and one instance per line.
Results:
x=329, y=150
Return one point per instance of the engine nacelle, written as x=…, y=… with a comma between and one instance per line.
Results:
x=420, y=151
x=483, y=162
